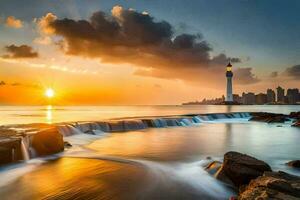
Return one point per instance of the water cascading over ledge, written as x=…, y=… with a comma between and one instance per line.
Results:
x=47, y=140
x=123, y=125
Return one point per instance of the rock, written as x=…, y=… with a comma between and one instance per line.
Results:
x=269, y=117
x=294, y=163
x=116, y=126
x=240, y=169
x=48, y=141
x=297, y=124
x=67, y=144
x=149, y=123
x=221, y=176
x=213, y=167
x=278, y=119
x=295, y=115
x=10, y=150
x=5, y=155
x=272, y=185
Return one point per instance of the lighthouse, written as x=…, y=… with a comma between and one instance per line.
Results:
x=229, y=75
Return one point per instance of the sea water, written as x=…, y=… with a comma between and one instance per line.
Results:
x=54, y=114
x=154, y=163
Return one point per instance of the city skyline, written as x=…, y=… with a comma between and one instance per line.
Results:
x=279, y=96
x=178, y=55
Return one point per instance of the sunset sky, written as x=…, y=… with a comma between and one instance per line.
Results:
x=144, y=52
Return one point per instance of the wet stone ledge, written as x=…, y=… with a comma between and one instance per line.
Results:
x=10, y=150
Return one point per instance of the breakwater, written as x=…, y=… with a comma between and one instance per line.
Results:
x=29, y=141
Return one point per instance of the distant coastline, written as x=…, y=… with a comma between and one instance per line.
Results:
x=291, y=97
x=233, y=103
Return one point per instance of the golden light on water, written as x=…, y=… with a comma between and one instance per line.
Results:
x=49, y=93
x=49, y=114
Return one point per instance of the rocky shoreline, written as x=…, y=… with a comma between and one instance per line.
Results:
x=250, y=177
x=276, y=118
x=45, y=139
x=20, y=142
x=16, y=146
x=254, y=179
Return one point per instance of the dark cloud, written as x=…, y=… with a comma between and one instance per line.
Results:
x=293, y=71
x=274, y=74
x=17, y=84
x=245, y=76
x=222, y=59
x=22, y=51
x=157, y=86
x=128, y=36
x=2, y=83
x=235, y=60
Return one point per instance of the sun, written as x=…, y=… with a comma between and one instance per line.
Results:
x=49, y=93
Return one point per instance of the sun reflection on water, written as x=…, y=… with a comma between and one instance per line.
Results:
x=49, y=116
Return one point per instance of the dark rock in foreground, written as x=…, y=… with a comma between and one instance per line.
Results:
x=17, y=146
x=294, y=163
x=48, y=142
x=254, y=178
x=272, y=185
x=295, y=115
x=297, y=124
x=269, y=117
x=240, y=169
x=10, y=150
x=276, y=118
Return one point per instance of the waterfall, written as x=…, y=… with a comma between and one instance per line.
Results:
x=68, y=130
x=172, y=122
x=100, y=127
x=24, y=150
x=197, y=119
x=186, y=122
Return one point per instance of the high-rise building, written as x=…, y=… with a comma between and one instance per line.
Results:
x=271, y=97
x=280, y=94
x=237, y=98
x=260, y=99
x=229, y=75
x=248, y=98
x=292, y=96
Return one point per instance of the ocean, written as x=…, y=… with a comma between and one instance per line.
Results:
x=54, y=114
x=153, y=163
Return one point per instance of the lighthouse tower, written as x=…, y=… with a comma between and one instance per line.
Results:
x=229, y=75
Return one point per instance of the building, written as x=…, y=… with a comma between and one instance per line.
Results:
x=229, y=75
x=292, y=96
x=237, y=98
x=280, y=94
x=260, y=99
x=271, y=97
x=248, y=98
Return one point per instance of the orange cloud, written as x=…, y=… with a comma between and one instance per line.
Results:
x=43, y=24
x=44, y=40
x=12, y=22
